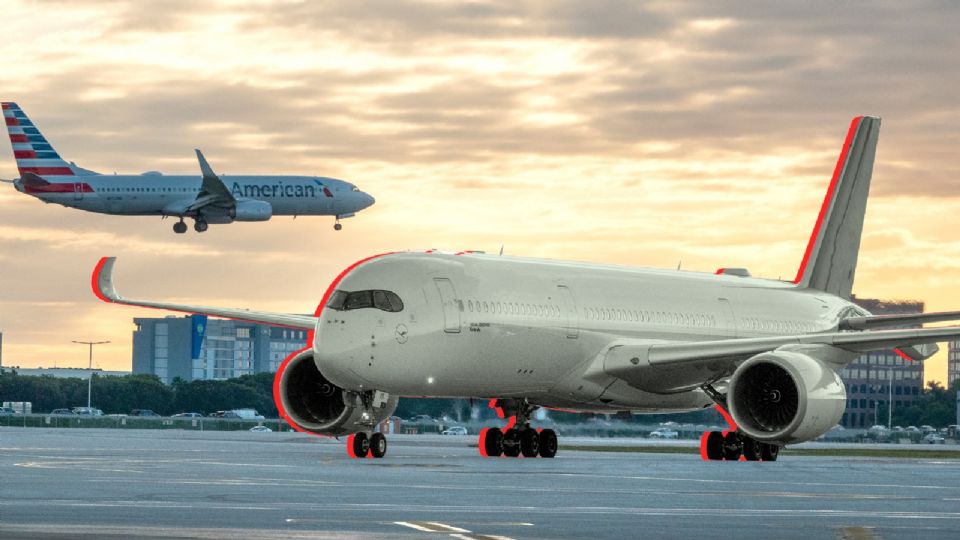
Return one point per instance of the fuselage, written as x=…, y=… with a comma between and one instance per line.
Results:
x=480, y=325
x=152, y=194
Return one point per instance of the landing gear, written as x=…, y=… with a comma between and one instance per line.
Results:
x=358, y=445
x=200, y=225
x=337, y=226
x=715, y=446
x=519, y=439
x=180, y=227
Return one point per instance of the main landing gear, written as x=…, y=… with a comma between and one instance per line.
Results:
x=732, y=445
x=199, y=225
x=517, y=438
x=361, y=445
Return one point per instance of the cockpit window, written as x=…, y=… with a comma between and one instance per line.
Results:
x=355, y=188
x=382, y=300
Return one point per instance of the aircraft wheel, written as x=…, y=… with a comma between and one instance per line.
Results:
x=511, y=442
x=200, y=225
x=732, y=447
x=715, y=446
x=358, y=445
x=769, y=452
x=752, y=448
x=548, y=443
x=179, y=227
x=378, y=445
x=337, y=226
x=529, y=442
x=491, y=442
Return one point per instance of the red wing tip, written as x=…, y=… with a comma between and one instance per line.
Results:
x=95, y=279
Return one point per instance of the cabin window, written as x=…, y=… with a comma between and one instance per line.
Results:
x=382, y=300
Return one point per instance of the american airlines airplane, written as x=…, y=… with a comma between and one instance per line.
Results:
x=528, y=333
x=206, y=198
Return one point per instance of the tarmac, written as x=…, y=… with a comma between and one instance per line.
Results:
x=155, y=484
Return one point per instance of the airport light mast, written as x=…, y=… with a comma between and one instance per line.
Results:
x=90, y=366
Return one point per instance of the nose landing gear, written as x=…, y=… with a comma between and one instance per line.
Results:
x=518, y=438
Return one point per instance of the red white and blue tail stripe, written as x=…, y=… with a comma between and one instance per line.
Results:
x=34, y=154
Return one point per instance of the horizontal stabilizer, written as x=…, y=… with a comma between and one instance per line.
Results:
x=104, y=288
x=881, y=321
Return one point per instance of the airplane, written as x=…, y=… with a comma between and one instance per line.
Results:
x=528, y=333
x=206, y=198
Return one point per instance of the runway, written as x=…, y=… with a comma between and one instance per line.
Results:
x=76, y=483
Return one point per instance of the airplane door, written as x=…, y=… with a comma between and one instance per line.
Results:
x=570, y=311
x=77, y=191
x=450, y=303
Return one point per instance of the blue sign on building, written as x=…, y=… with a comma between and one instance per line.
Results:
x=198, y=327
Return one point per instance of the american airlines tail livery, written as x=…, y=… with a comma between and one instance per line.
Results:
x=206, y=198
x=528, y=333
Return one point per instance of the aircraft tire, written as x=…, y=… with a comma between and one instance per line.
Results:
x=200, y=225
x=337, y=226
x=358, y=445
x=511, y=442
x=529, y=442
x=378, y=445
x=732, y=447
x=548, y=443
x=752, y=448
x=715, y=446
x=492, y=442
x=769, y=452
x=179, y=227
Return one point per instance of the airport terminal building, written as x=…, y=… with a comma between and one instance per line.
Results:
x=870, y=377
x=193, y=347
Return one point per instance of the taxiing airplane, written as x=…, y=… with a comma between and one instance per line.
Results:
x=206, y=198
x=529, y=333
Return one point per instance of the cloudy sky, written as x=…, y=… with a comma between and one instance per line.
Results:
x=641, y=133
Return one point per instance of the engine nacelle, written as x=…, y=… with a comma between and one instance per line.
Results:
x=252, y=211
x=785, y=397
x=314, y=404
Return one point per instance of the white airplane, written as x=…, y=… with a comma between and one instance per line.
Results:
x=530, y=333
x=206, y=198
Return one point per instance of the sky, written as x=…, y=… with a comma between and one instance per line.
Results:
x=641, y=133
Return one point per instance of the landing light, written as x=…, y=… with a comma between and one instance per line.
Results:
x=429, y=380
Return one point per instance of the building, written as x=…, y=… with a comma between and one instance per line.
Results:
x=953, y=363
x=63, y=373
x=870, y=377
x=193, y=347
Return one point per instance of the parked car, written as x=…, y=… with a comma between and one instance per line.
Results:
x=7, y=411
x=143, y=412
x=664, y=434
x=261, y=429
x=932, y=438
x=455, y=430
x=87, y=411
x=62, y=412
x=188, y=415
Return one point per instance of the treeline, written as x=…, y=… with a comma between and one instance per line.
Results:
x=936, y=406
x=120, y=395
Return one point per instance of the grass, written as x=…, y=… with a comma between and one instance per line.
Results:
x=906, y=453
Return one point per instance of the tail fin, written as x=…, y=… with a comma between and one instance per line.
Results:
x=31, y=150
x=830, y=261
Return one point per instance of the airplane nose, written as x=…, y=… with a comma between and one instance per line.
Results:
x=367, y=200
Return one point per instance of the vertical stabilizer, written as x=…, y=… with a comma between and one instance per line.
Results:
x=34, y=154
x=830, y=262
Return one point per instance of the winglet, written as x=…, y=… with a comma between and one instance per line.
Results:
x=102, y=281
x=204, y=166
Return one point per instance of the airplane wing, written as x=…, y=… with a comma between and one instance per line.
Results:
x=879, y=321
x=675, y=366
x=104, y=289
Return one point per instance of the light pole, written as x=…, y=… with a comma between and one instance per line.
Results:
x=90, y=366
x=890, y=399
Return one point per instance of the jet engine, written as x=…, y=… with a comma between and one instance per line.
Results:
x=315, y=404
x=785, y=397
x=252, y=211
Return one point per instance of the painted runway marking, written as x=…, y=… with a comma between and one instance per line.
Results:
x=858, y=533
x=453, y=532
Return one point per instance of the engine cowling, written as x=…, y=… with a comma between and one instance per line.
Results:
x=312, y=403
x=785, y=397
x=252, y=211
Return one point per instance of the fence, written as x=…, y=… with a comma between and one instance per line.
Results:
x=138, y=422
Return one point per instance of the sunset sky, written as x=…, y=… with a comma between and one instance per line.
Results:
x=640, y=133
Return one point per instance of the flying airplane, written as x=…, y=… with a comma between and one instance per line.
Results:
x=206, y=198
x=528, y=333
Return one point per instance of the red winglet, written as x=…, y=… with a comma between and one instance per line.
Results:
x=94, y=281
